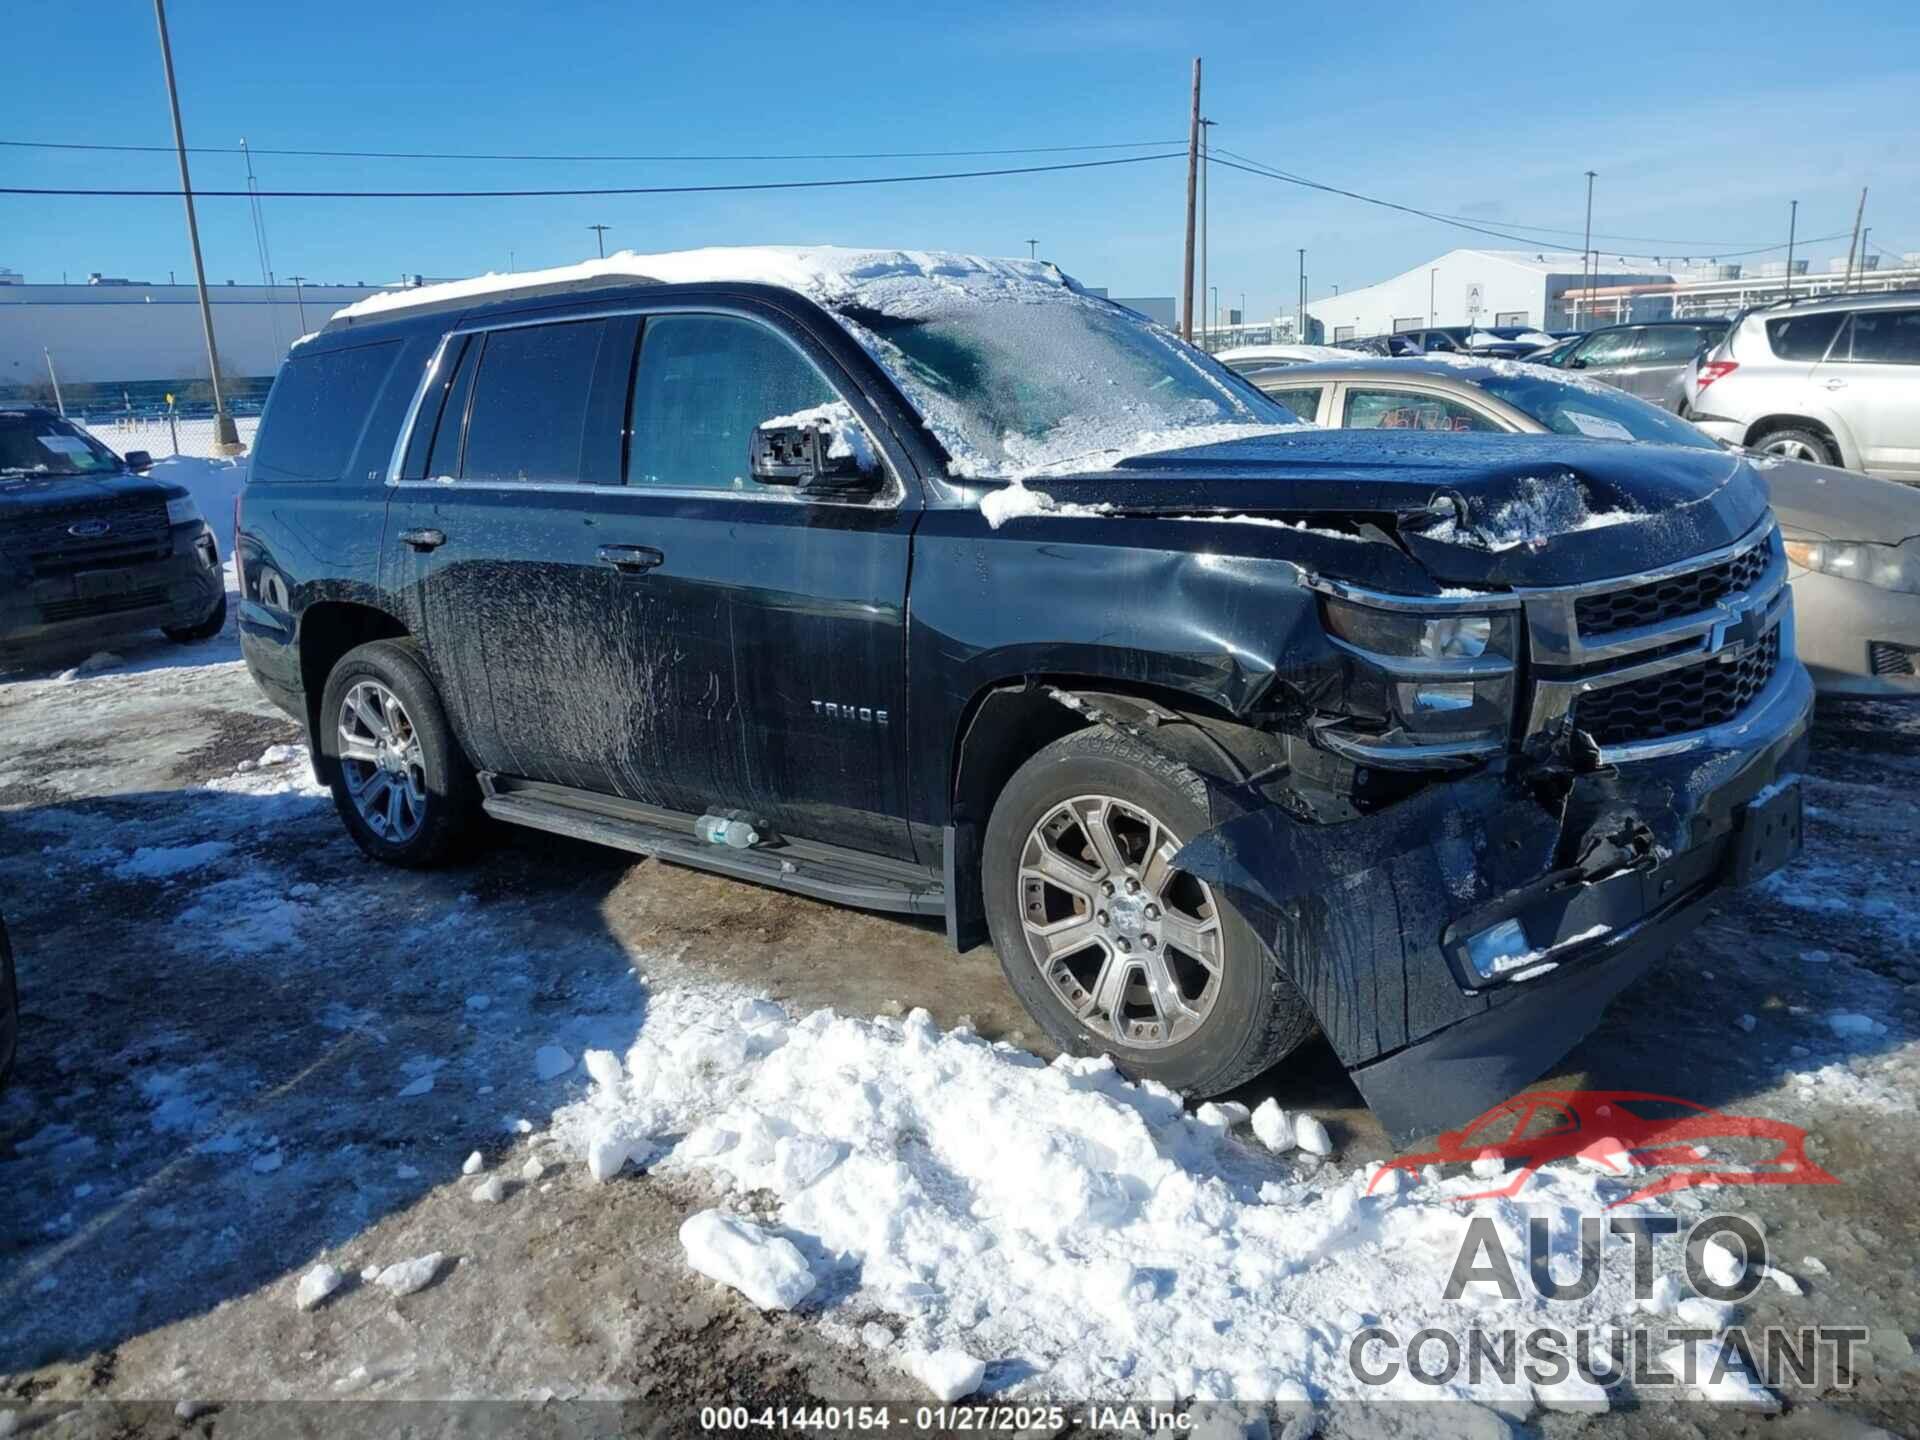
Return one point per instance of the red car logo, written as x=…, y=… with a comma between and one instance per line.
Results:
x=1613, y=1130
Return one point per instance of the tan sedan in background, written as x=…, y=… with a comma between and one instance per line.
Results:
x=1853, y=542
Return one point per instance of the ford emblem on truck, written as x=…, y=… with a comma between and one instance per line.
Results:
x=89, y=529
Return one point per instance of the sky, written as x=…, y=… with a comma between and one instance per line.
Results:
x=1702, y=126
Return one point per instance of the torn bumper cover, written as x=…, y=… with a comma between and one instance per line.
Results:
x=1573, y=889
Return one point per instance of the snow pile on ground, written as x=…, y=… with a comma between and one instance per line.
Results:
x=1081, y=1230
x=214, y=485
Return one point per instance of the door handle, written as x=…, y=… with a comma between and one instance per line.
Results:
x=423, y=539
x=631, y=559
x=1836, y=384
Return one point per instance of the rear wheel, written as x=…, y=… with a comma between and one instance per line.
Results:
x=1110, y=947
x=400, y=780
x=1793, y=443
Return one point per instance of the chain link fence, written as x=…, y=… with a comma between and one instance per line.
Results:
x=165, y=434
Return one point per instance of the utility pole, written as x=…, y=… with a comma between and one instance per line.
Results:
x=53, y=375
x=1433, y=274
x=1193, y=181
x=226, y=437
x=600, y=234
x=1793, y=226
x=1206, y=174
x=1033, y=249
x=1854, y=244
x=1586, y=253
x=300, y=300
x=1300, y=307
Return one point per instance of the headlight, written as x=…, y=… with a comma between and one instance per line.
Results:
x=1429, y=683
x=183, y=511
x=1891, y=567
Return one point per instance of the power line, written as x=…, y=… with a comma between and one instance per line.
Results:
x=1269, y=172
x=609, y=190
x=593, y=159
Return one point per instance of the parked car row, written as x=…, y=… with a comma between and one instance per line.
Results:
x=1852, y=541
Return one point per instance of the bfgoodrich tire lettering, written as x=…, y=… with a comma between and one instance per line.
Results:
x=400, y=780
x=1094, y=809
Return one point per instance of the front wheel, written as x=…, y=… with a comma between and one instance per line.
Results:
x=205, y=630
x=399, y=778
x=1108, y=945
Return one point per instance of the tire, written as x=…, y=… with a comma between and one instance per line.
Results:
x=1249, y=1015
x=205, y=630
x=9, y=1008
x=413, y=802
x=1794, y=443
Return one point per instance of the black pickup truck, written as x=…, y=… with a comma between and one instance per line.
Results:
x=934, y=584
x=91, y=545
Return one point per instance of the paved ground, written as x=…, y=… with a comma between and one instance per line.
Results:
x=216, y=1042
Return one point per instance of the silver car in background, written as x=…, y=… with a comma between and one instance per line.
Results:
x=1853, y=543
x=1834, y=381
x=1652, y=360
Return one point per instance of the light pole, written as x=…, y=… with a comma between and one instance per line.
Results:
x=1300, y=309
x=1587, y=252
x=1206, y=166
x=300, y=301
x=1433, y=274
x=600, y=234
x=1793, y=225
x=1033, y=249
x=226, y=437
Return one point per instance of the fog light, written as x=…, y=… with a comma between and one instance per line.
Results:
x=1429, y=698
x=1497, y=949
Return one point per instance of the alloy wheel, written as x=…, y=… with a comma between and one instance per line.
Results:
x=1130, y=945
x=1792, y=450
x=384, y=765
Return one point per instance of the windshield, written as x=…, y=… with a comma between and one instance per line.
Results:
x=1595, y=410
x=33, y=444
x=1017, y=384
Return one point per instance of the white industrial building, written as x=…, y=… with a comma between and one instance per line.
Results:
x=1479, y=287
x=127, y=335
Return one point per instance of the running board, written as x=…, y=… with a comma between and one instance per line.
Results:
x=824, y=872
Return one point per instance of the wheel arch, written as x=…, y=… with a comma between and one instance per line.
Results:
x=1009, y=721
x=328, y=630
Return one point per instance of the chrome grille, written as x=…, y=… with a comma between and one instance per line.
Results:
x=1673, y=598
x=1677, y=701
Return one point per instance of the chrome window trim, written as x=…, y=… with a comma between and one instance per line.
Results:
x=892, y=498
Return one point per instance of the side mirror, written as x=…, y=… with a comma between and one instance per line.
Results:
x=818, y=457
x=139, y=461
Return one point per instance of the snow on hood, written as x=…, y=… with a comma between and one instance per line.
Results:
x=1100, y=383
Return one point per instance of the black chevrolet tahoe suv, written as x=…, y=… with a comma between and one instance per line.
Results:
x=937, y=585
x=90, y=545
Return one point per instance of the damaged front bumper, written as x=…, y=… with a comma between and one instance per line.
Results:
x=1581, y=881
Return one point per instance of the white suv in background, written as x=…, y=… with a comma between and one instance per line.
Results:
x=1835, y=381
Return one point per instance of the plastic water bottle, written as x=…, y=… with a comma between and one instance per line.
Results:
x=720, y=830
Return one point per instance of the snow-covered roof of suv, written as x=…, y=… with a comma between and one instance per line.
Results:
x=829, y=274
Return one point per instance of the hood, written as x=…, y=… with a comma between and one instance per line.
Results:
x=22, y=495
x=1479, y=510
x=1832, y=504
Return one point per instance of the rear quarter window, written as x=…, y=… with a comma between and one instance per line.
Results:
x=318, y=410
x=1803, y=337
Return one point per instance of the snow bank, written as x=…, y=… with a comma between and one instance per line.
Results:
x=1081, y=1230
x=214, y=485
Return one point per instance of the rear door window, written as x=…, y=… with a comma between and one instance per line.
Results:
x=1610, y=347
x=1303, y=401
x=1669, y=345
x=703, y=385
x=317, y=411
x=1886, y=337
x=1803, y=337
x=1373, y=409
x=533, y=420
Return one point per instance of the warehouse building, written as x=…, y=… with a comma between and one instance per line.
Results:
x=1479, y=287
